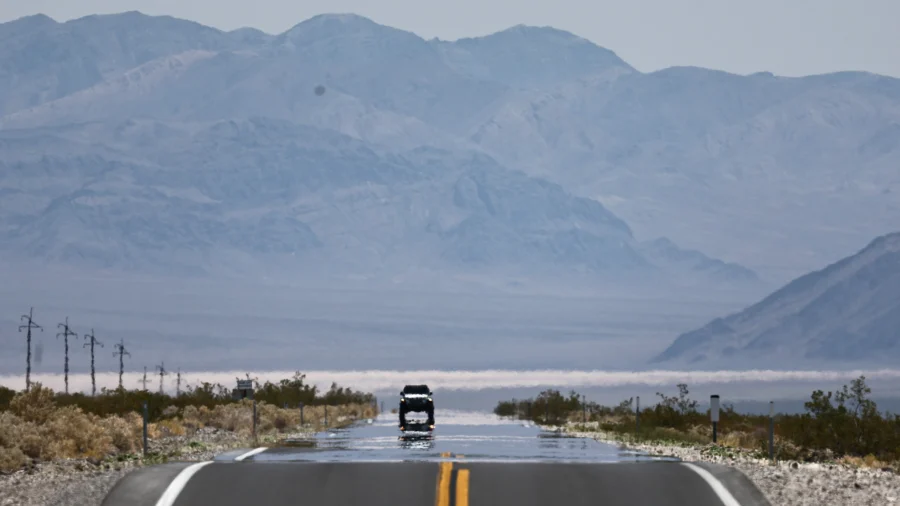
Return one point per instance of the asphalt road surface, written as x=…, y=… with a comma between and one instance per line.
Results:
x=470, y=459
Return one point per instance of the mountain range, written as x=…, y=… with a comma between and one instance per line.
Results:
x=143, y=142
x=342, y=148
x=848, y=311
x=156, y=144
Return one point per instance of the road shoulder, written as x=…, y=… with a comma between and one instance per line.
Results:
x=784, y=483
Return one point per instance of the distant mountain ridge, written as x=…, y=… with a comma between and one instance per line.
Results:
x=849, y=310
x=735, y=167
x=216, y=197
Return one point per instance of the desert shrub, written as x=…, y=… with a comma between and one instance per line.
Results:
x=170, y=427
x=74, y=434
x=170, y=411
x=838, y=424
x=232, y=417
x=276, y=418
x=125, y=433
x=192, y=419
x=36, y=406
x=31, y=440
x=6, y=396
x=9, y=426
x=11, y=459
x=507, y=408
x=42, y=426
x=756, y=440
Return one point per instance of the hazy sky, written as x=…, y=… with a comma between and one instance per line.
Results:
x=787, y=37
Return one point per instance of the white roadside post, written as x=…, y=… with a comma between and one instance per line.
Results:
x=146, y=415
x=583, y=409
x=772, y=431
x=637, y=415
x=714, y=415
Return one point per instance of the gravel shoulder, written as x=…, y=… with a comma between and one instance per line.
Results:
x=785, y=483
x=84, y=483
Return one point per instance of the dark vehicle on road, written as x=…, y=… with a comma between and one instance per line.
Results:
x=416, y=399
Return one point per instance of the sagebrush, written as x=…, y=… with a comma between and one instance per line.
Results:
x=843, y=424
x=40, y=425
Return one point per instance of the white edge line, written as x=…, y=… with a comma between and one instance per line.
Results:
x=720, y=490
x=178, y=484
x=250, y=453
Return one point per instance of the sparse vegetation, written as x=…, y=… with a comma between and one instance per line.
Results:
x=843, y=425
x=291, y=392
x=41, y=425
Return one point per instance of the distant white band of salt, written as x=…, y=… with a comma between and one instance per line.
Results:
x=381, y=380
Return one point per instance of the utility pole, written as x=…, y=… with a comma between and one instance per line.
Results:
x=162, y=372
x=29, y=324
x=66, y=333
x=178, y=383
x=121, y=352
x=144, y=381
x=91, y=342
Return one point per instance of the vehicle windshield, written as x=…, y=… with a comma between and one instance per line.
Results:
x=416, y=389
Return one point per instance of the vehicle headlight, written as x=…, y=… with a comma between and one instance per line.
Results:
x=429, y=399
x=402, y=400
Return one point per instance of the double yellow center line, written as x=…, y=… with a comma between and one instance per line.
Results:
x=445, y=476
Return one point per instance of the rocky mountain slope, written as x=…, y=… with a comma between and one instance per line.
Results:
x=848, y=311
x=230, y=195
x=773, y=173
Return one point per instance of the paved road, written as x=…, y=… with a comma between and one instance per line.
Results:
x=503, y=464
x=478, y=436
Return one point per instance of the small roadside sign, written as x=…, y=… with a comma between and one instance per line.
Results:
x=244, y=390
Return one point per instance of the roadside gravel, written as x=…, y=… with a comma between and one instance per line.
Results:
x=60, y=484
x=83, y=483
x=785, y=483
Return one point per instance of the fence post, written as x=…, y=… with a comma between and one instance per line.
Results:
x=382, y=407
x=301, y=414
x=254, y=421
x=714, y=415
x=145, y=428
x=637, y=415
x=772, y=430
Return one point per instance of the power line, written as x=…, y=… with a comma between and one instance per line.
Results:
x=66, y=333
x=121, y=352
x=92, y=341
x=29, y=325
x=162, y=372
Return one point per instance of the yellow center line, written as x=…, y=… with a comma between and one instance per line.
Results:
x=445, y=471
x=462, y=487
